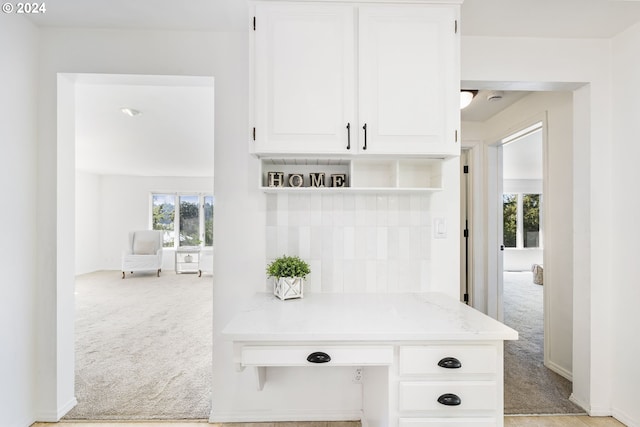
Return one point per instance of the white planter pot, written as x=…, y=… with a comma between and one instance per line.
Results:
x=288, y=287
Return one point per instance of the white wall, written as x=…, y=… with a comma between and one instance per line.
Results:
x=239, y=219
x=546, y=64
x=558, y=214
x=623, y=286
x=109, y=206
x=88, y=222
x=125, y=206
x=18, y=137
x=240, y=216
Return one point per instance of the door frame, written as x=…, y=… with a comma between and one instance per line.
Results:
x=495, y=264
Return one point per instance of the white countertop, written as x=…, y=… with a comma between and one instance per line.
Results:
x=363, y=317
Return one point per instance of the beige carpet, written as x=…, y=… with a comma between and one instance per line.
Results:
x=530, y=387
x=143, y=346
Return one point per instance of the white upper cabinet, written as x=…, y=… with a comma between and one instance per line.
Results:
x=355, y=78
x=304, y=78
x=408, y=79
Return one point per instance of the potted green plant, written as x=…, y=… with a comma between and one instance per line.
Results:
x=289, y=274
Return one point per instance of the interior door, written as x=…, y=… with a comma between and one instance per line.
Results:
x=495, y=247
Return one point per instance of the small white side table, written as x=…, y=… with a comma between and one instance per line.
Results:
x=187, y=259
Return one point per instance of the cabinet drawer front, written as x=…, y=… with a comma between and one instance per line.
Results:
x=423, y=396
x=448, y=422
x=424, y=359
x=297, y=355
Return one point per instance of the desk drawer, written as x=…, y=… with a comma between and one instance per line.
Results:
x=297, y=355
x=473, y=396
x=420, y=360
x=447, y=422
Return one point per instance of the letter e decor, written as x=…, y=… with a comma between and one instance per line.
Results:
x=339, y=180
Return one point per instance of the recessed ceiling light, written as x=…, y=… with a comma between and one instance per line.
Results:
x=130, y=112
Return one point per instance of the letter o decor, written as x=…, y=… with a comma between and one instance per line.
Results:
x=296, y=180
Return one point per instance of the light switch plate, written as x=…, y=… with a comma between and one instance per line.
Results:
x=439, y=228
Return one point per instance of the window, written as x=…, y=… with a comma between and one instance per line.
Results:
x=163, y=211
x=521, y=220
x=531, y=220
x=192, y=222
x=510, y=219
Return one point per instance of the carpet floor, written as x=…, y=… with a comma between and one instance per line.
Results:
x=530, y=387
x=143, y=346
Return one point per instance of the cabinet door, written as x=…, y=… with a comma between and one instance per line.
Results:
x=304, y=78
x=409, y=79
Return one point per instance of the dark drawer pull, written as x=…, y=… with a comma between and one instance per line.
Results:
x=318, y=357
x=450, y=363
x=449, y=399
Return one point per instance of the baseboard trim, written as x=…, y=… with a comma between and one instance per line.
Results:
x=283, y=415
x=54, y=416
x=67, y=407
x=625, y=418
x=560, y=370
x=583, y=405
x=27, y=421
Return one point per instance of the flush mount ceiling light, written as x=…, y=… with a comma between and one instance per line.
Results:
x=130, y=112
x=466, y=96
x=495, y=95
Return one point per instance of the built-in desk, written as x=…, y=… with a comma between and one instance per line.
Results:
x=427, y=359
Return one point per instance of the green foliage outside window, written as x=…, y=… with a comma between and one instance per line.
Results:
x=164, y=217
x=531, y=220
x=208, y=221
x=189, y=221
x=510, y=219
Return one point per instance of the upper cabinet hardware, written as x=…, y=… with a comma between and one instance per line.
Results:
x=254, y=23
x=254, y=134
x=364, y=147
x=456, y=27
x=348, y=136
x=450, y=363
x=318, y=357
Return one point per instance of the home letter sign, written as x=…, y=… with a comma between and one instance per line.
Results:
x=317, y=179
x=295, y=180
x=276, y=179
x=339, y=180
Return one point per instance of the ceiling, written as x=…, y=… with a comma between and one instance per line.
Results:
x=503, y=18
x=173, y=135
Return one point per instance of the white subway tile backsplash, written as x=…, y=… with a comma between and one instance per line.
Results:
x=304, y=243
x=371, y=276
x=316, y=242
x=349, y=243
x=383, y=243
x=272, y=242
x=354, y=242
x=382, y=269
x=336, y=285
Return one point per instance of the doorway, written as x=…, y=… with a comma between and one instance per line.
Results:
x=123, y=158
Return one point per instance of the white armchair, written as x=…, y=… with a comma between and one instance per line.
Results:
x=144, y=252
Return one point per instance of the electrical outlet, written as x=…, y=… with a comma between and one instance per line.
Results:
x=357, y=376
